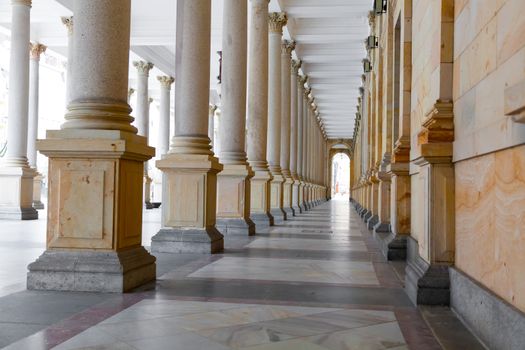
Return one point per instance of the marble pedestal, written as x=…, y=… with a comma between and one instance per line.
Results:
x=295, y=197
x=94, y=227
x=260, y=199
x=233, y=200
x=16, y=193
x=276, y=198
x=287, y=197
x=37, y=192
x=91, y=271
x=189, y=209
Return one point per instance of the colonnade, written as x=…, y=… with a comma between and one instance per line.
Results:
x=270, y=166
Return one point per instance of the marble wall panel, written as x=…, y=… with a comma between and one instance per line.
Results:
x=490, y=222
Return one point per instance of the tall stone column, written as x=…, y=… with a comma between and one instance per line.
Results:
x=295, y=96
x=68, y=22
x=35, y=50
x=276, y=21
x=164, y=121
x=16, y=177
x=163, y=132
x=211, y=125
x=306, y=92
x=286, y=60
x=190, y=168
x=258, y=113
x=96, y=160
x=142, y=118
x=233, y=186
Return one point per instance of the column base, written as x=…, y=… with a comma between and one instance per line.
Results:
x=17, y=213
x=149, y=205
x=16, y=193
x=296, y=210
x=425, y=284
x=235, y=226
x=179, y=240
x=393, y=247
x=38, y=205
x=91, y=271
x=371, y=220
x=289, y=212
x=279, y=215
x=262, y=220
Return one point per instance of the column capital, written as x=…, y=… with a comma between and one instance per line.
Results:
x=68, y=22
x=276, y=21
x=150, y=100
x=21, y=2
x=131, y=91
x=143, y=67
x=307, y=91
x=165, y=81
x=296, y=65
x=212, y=109
x=302, y=80
x=287, y=46
x=35, y=50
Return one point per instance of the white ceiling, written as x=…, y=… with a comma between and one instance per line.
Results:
x=329, y=36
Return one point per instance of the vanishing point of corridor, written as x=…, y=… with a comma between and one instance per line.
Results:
x=317, y=281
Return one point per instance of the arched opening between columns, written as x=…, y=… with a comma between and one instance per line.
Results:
x=340, y=175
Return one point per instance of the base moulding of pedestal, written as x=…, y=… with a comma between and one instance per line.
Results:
x=91, y=271
x=18, y=213
x=492, y=320
x=425, y=284
x=235, y=226
x=181, y=240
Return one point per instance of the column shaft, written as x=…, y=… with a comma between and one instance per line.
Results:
x=286, y=60
x=294, y=135
x=68, y=22
x=233, y=187
x=258, y=113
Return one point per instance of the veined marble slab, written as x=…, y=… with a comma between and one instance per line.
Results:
x=307, y=244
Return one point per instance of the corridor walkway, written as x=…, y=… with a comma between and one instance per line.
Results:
x=316, y=282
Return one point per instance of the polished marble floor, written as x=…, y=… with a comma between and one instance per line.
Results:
x=318, y=281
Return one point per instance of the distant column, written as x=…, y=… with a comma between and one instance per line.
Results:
x=35, y=51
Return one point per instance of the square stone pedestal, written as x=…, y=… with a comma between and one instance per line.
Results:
x=276, y=198
x=189, y=209
x=287, y=197
x=260, y=199
x=94, y=226
x=37, y=191
x=16, y=193
x=296, y=204
x=233, y=200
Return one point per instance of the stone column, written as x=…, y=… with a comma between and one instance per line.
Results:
x=286, y=59
x=68, y=22
x=190, y=168
x=35, y=51
x=276, y=22
x=164, y=132
x=306, y=92
x=142, y=118
x=211, y=125
x=164, y=121
x=16, y=177
x=295, y=139
x=96, y=160
x=233, y=186
x=258, y=113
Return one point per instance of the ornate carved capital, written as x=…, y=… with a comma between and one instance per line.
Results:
x=35, y=50
x=287, y=47
x=276, y=22
x=165, y=81
x=296, y=65
x=143, y=67
x=68, y=22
